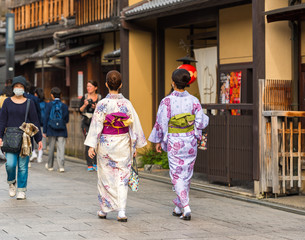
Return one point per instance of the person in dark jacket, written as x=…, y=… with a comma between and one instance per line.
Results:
x=54, y=135
x=30, y=95
x=13, y=115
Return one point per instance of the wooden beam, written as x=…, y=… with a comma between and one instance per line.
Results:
x=46, y=11
x=27, y=16
x=59, y=9
x=71, y=8
x=52, y=11
x=66, y=8
x=274, y=156
x=203, y=36
x=258, y=28
x=40, y=13
x=56, y=18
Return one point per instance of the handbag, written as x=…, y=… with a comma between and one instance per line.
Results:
x=12, y=138
x=203, y=142
x=133, y=182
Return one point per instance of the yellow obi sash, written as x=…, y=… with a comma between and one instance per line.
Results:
x=181, y=123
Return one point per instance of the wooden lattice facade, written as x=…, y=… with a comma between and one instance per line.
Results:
x=42, y=12
x=89, y=11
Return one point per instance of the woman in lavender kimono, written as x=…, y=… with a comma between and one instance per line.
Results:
x=180, y=120
x=114, y=135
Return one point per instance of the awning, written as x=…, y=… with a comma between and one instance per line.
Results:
x=19, y=57
x=47, y=52
x=114, y=55
x=44, y=53
x=80, y=50
x=291, y=13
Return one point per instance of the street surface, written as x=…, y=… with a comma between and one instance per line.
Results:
x=64, y=205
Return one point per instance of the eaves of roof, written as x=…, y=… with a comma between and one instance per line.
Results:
x=106, y=26
x=160, y=8
x=290, y=13
x=41, y=32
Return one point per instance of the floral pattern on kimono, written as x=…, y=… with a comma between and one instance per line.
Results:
x=114, y=152
x=181, y=148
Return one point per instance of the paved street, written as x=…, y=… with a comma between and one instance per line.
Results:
x=64, y=205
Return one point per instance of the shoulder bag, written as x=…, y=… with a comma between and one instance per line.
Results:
x=12, y=138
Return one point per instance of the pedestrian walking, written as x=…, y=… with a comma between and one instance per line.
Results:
x=42, y=105
x=114, y=135
x=54, y=127
x=15, y=111
x=30, y=89
x=87, y=107
x=178, y=127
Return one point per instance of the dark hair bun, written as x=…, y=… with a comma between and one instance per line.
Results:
x=181, y=77
x=113, y=79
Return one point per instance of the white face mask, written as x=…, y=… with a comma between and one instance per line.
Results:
x=18, y=91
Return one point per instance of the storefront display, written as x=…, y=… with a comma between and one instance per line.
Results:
x=230, y=89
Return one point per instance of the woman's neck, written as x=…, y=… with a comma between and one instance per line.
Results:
x=179, y=90
x=92, y=94
x=18, y=99
x=113, y=92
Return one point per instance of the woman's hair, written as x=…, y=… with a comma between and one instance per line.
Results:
x=56, y=92
x=92, y=82
x=40, y=94
x=113, y=79
x=181, y=77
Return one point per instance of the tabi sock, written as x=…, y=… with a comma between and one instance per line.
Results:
x=177, y=210
x=186, y=209
x=121, y=214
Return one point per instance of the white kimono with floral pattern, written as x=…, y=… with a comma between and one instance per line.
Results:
x=114, y=152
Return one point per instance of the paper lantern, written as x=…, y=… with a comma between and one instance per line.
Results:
x=191, y=69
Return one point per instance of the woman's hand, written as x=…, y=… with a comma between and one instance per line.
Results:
x=86, y=102
x=93, y=105
x=135, y=153
x=40, y=145
x=91, y=152
x=158, y=147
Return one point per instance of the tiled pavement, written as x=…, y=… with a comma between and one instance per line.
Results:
x=64, y=205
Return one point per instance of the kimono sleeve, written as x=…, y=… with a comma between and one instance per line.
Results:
x=201, y=119
x=96, y=126
x=136, y=132
x=159, y=132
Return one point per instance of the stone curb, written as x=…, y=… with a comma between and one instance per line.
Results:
x=241, y=196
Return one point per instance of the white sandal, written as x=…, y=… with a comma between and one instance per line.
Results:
x=101, y=214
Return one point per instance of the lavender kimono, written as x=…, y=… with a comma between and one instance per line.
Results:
x=114, y=152
x=181, y=148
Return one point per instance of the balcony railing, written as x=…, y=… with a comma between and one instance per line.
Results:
x=42, y=12
x=90, y=11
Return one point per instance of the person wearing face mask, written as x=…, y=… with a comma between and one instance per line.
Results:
x=13, y=114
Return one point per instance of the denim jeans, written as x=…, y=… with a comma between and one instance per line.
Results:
x=13, y=160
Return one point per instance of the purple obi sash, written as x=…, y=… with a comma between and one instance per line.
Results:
x=116, y=123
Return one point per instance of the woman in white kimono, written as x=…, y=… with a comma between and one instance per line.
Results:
x=178, y=127
x=114, y=135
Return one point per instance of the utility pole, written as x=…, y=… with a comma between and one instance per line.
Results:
x=10, y=45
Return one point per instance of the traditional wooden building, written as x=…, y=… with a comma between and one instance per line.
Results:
x=63, y=43
x=246, y=70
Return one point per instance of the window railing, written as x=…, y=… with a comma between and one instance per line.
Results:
x=90, y=11
x=42, y=12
